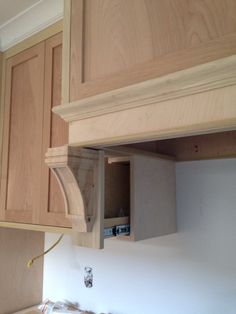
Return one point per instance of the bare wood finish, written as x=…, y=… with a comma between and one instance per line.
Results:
x=34, y=40
x=106, y=52
x=76, y=171
x=207, y=146
x=2, y=83
x=198, y=79
x=66, y=52
x=55, y=133
x=208, y=112
x=23, y=118
x=20, y=287
x=117, y=188
x=152, y=197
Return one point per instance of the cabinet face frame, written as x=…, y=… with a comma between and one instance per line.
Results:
x=55, y=133
x=75, y=87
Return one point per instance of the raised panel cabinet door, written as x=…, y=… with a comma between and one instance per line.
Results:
x=22, y=138
x=52, y=211
x=114, y=43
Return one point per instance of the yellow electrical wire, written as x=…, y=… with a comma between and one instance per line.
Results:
x=31, y=261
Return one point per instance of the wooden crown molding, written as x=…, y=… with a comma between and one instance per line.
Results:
x=212, y=75
x=29, y=22
x=76, y=171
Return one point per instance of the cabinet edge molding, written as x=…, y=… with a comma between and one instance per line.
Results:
x=198, y=79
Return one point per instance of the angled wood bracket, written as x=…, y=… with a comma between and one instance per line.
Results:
x=76, y=170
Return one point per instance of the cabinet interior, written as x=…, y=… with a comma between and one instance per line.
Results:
x=117, y=187
x=197, y=147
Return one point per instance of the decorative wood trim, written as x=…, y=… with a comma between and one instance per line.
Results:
x=33, y=227
x=76, y=171
x=30, y=21
x=108, y=222
x=212, y=75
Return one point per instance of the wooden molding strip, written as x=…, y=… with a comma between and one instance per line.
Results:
x=205, y=77
x=34, y=39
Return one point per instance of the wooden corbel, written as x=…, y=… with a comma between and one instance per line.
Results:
x=76, y=170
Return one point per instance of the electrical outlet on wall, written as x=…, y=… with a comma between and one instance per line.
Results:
x=88, y=277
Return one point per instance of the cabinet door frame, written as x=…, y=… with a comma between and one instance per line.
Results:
x=16, y=215
x=74, y=87
x=45, y=216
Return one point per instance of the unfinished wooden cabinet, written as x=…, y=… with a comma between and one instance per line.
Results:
x=55, y=133
x=115, y=192
x=110, y=44
x=20, y=286
x=29, y=193
x=23, y=126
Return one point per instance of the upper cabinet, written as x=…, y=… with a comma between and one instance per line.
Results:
x=110, y=44
x=23, y=125
x=29, y=193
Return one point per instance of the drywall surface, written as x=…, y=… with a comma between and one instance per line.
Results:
x=191, y=272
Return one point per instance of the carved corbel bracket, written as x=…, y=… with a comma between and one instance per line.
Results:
x=76, y=170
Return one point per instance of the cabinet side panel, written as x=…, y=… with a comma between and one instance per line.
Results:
x=153, y=210
x=20, y=286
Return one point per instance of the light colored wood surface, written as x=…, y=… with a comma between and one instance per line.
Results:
x=117, y=188
x=31, y=310
x=20, y=286
x=212, y=75
x=208, y=112
x=35, y=39
x=77, y=173
x=2, y=83
x=66, y=52
x=76, y=48
x=106, y=51
x=23, y=116
x=34, y=227
x=153, y=200
x=207, y=146
x=55, y=133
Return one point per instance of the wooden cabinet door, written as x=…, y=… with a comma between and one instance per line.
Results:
x=114, y=43
x=22, y=139
x=52, y=211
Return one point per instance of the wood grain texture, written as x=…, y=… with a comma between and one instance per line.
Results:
x=174, y=34
x=20, y=286
x=152, y=197
x=22, y=136
x=34, y=39
x=77, y=172
x=198, y=79
x=55, y=133
x=66, y=52
x=117, y=188
x=207, y=146
x=76, y=48
x=208, y=112
x=2, y=82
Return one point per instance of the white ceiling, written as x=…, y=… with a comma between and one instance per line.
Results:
x=20, y=19
x=9, y=9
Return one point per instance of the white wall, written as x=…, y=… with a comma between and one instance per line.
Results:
x=191, y=272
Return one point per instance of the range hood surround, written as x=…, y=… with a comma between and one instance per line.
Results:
x=189, y=102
